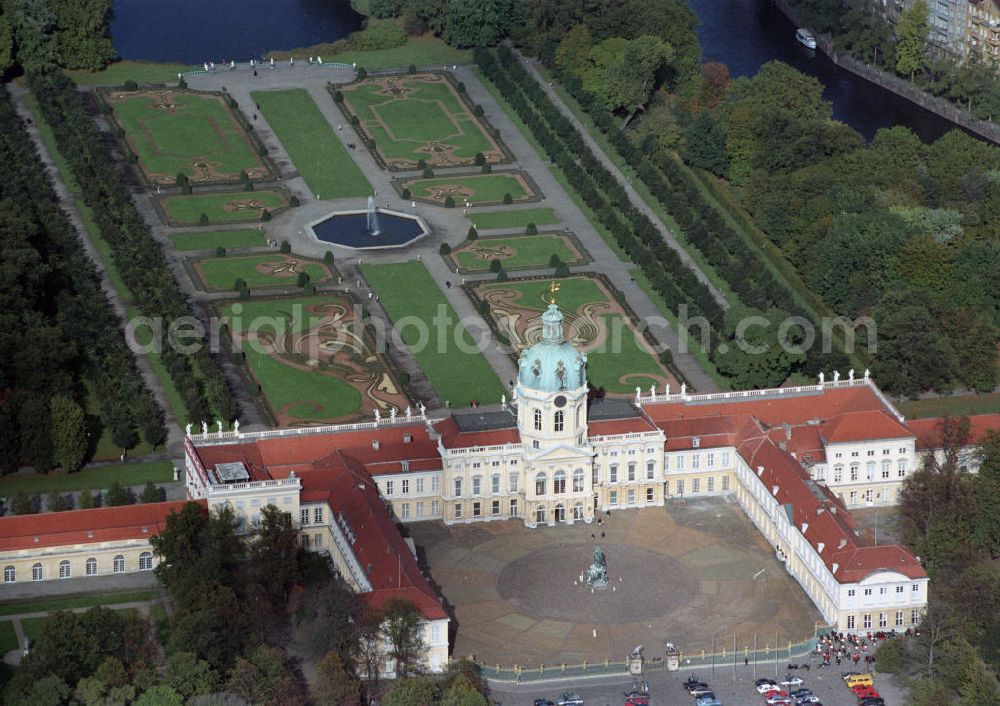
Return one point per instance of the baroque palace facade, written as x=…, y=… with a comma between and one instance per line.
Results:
x=796, y=459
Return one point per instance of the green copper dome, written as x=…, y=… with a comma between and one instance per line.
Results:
x=553, y=363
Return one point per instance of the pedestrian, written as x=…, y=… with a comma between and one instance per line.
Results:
x=291, y=61
x=746, y=661
x=369, y=296
x=447, y=284
x=255, y=117
x=310, y=61
x=206, y=67
x=255, y=73
x=272, y=63
x=339, y=128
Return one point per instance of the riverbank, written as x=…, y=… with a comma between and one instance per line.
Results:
x=901, y=87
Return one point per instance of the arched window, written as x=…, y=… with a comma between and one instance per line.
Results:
x=540, y=514
x=538, y=420
x=91, y=566
x=36, y=573
x=559, y=482
x=64, y=569
x=578, y=480
x=540, y=481
x=560, y=513
x=119, y=564
x=557, y=421
x=146, y=561
x=9, y=574
x=578, y=511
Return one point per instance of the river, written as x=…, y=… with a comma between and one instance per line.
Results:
x=195, y=31
x=744, y=34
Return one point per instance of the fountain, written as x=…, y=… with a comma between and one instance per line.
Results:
x=372, y=218
x=369, y=228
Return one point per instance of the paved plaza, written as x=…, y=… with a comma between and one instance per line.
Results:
x=684, y=574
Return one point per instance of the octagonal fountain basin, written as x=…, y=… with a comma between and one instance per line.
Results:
x=368, y=230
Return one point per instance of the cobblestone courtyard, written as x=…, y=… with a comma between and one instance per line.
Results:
x=684, y=574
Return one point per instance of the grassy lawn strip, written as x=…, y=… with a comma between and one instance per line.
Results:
x=489, y=188
x=640, y=188
x=311, y=143
x=954, y=406
x=220, y=273
x=513, y=218
x=407, y=291
x=529, y=251
x=556, y=172
x=309, y=395
x=8, y=638
x=70, y=602
x=218, y=239
x=94, y=478
x=695, y=350
x=244, y=206
x=420, y=51
x=139, y=71
x=198, y=128
x=174, y=399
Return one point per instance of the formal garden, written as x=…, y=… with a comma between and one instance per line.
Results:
x=475, y=189
x=513, y=218
x=175, y=132
x=517, y=252
x=308, y=360
x=212, y=240
x=222, y=207
x=596, y=321
x=409, y=295
x=257, y=271
x=314, y=148
x=419, y=119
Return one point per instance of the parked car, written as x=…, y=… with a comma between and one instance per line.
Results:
x=766, y=687
x=776, y=699
x=692, y=679
x=544, y=702
x=701, y=691
x=689, y=685
x=570, y=699
x=708, y=701
x=791, y=680
x=871, y=701
x=800, y=692
x=807, y=699
x=636, y=700
x=863, y=692
x=764, y=680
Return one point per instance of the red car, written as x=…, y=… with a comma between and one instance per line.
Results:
x=865, y=692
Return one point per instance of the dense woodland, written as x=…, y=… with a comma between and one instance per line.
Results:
x=59, y=331
x=39, y=35
x=239, y=602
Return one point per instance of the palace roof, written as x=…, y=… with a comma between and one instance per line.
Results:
x=929, y=431
x=868, y=425
x=105, y=524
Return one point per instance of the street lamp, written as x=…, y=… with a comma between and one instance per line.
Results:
x=871, y=504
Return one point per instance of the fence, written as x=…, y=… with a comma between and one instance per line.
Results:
x=768, y=654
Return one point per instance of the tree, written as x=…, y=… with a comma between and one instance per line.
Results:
x=986, y=488
x=330, y=616
x=6, y=44
x=913, y=354
x=402, y=631
x=84, y=41
x=705, y=144
x=150, y=494
x=756, y=355
x=160, y=695
x=412, y=690
x=462, y=692
x=23, y=504
x=911, y=39
x=713, y=85
x=69, y=433
x=56, y=502
x=117, y=495
x=34, y=26
x=477, y=23
x=263, y=677
x=274, y=554
x=85, y=501
x=212, y=624
x=190, y=676
x=335, y=683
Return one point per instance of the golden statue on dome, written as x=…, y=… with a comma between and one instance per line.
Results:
x=553, y=288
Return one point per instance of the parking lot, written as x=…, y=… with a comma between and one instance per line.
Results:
x=668, y=690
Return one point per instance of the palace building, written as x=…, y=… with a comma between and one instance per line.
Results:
x=796, y=459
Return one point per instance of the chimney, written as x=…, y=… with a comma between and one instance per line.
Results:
x=375, y=444
x=820, y=547
x=760, y=471
x=819, y=511
x=835, y=567
x=774, y=489
x=843, y=543
x=805, y=527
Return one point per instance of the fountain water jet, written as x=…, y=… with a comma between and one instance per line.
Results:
x=373, y=228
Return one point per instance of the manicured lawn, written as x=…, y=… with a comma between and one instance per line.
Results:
x=8, y=638
x=220, y=273
x=478, y=189
x=513, y=218
x=78, y=601
x=218, y=239
x=955, y=406
x=408, y=291
x=93, y=478
x=308, y=394
x=428, y=122
x=32, y=628
x=222, y=207
x=311, y=143
x=618, y=355
x=427, y=50
x=139, y=71
x=181, y=132
x=519, y=251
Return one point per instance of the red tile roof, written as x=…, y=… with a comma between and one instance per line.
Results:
x=868, y=425
x=454, y=438
x=106, y=524
x=929, y=431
